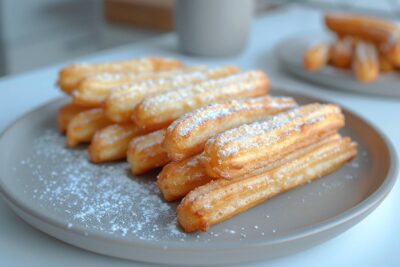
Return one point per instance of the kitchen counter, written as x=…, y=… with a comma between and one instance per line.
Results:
x=373, y=242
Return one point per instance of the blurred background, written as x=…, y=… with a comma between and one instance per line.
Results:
x=37, y=33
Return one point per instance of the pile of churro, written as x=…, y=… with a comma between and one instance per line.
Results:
x=367, y=46
x=223, y=143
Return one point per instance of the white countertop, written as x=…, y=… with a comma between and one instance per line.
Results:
x=373, y=242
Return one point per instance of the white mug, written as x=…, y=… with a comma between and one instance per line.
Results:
x=213, y=27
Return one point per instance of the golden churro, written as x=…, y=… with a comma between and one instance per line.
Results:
x=111, y=142
x=121, y=102
x=65, y=115
x=84, y=125
x=385, y=65
x=187, y=135
x=341, y=53
x=221, y=199
x=159, y=111
x=180, y=177
x=316, y=57
x=146, y=152
x=365, y=62
x=70, y=76
x=251, y=146
x=94, y=89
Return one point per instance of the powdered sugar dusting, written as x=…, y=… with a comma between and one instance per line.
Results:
x=171, y=80
x=217, y=111
x=243, y=137
x=103, y=198
x=99, y=197
x=110, y=77
x=125, y=82
x=203, y=93
x=135, y=65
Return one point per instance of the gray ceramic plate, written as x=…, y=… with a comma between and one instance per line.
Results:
x=102, y=208
x=290, y=54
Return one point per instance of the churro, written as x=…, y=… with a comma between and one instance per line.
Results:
x=65, y=115
x=94, y=89
x=316, y=57
x=187, y=135
x=70, y=76
x=221, y=199
x=385, y=65
x=365, y=62
x=180, y=177
x=251, y=146
x=341, y=53
x=111, y=142
x=146, y=152
x=121, y=102
x=84, y=125
x=159, y=111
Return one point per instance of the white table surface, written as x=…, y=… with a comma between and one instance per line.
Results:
x=373, y=242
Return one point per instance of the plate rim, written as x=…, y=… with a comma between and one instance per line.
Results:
x=366, y=204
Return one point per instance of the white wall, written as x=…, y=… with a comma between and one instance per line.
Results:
x=36, y=33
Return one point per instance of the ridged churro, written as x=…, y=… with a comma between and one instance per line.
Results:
x=84, y=125
x=316, y=57
x=146, y=152
x=159, y=111
x=65, y=115
x=365, y=62
x=111, y=142
x=392, y=52
x=221, y=199
x=94, y=89
x=121, y=102
x=385, y=65
x=187, y=135
x=180, y=177
x=252, y=146
x=341, y=53
x=70, y=76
